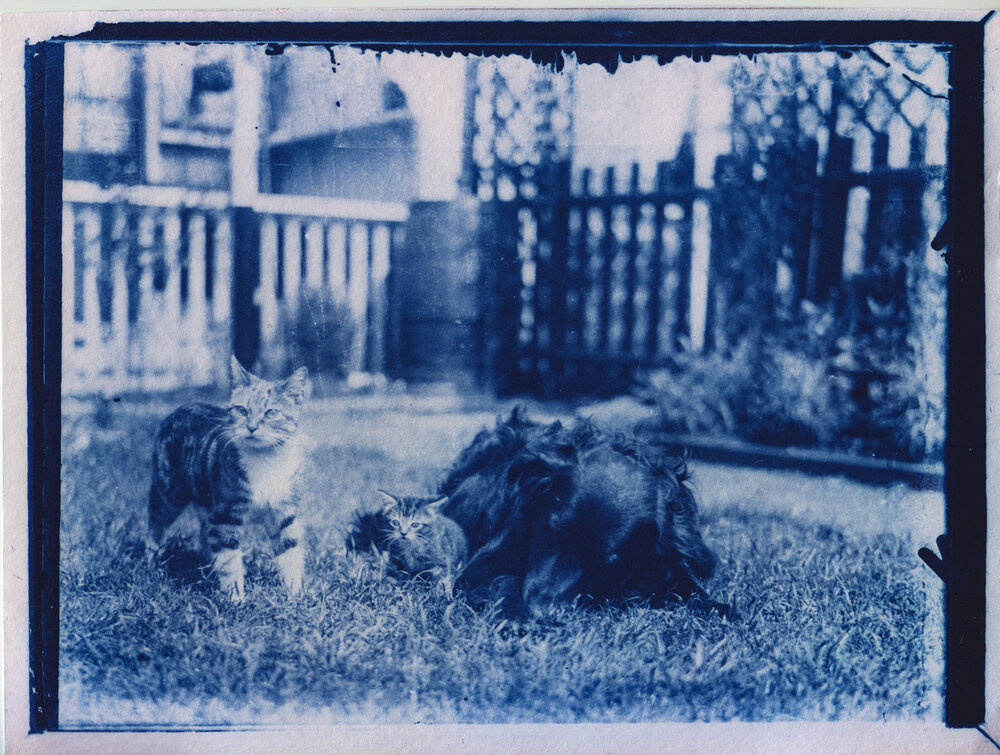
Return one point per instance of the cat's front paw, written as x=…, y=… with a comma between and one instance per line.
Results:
x=236, y=591
x=291, y=566
x=229, y=568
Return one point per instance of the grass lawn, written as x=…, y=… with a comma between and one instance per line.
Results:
x=837, y=617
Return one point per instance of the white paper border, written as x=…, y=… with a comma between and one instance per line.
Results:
x=850, y=737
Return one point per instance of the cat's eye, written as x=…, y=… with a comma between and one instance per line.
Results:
x=416, y=525
x=272, y=414
x=394, y=523
x=241, y=410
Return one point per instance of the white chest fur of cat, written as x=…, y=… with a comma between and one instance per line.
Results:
x=271, y=473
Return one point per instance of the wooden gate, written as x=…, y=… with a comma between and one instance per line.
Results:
x=592, y=281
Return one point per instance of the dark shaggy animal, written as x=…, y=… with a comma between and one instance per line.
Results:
x=554, y=513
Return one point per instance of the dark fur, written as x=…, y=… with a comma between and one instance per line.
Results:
x=554, y=513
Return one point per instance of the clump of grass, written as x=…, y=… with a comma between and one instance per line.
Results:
x=830, y=624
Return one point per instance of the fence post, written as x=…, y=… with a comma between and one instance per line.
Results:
x=662, y=186
x=500, y=307
x=314, y=256
x=336, y=261
x=91, y=306
x=730, y=172
x=195, y=328
x=120, y=331
x=357, y=293
x=631, y=254
x=604, y=318
x=827, y=257
x=223, y=327
x=378, y=310
x=581, y=281
x=170, y=327
x=682, y=176
x=878, y=193
x=291, y=286
x=802, y=231
x=248, y=291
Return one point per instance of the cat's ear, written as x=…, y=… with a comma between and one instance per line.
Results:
x=435, y=506
x=238, y=377
x=296, y=384
x=388, y=499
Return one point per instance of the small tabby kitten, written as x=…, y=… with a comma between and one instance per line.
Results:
x=234, y=466
x=422, y=540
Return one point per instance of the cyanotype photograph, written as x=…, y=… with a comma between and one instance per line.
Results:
x=501, y=383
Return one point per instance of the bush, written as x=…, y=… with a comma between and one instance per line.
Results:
x=859, y=374
x=701, y=393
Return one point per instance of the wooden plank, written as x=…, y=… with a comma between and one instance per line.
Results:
x=121, y=332
x=581, y=281
x=94, y=356
x=878, y=194
x=631, y=255
x=85, y=192
x=701, y=250
x=222, y=264
x=357, y=292
x=314, y=255
x=291, y=286
x=826, y=260
x=378, y=306
x=559, y=273
x=669, y=195
x=196, y=356
x=267, y=296
x=656, y=267
x=141, y=195
x=500, y=302
x=682, y=300
x=170, y=355
x=604, y=316
x=324, y=207
x=801, y=236
x=336, y=261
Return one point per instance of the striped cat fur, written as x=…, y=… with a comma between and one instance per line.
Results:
x=230, y=469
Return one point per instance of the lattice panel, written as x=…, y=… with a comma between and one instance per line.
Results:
x=896, y=90
x=521, y=124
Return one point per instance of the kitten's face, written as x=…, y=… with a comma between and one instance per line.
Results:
x=264, y=414
x=410, y=517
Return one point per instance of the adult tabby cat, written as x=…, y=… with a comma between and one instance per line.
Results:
x=419, y=539
x=234, y=467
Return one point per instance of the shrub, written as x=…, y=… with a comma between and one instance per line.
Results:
x=863, y=373
x=700, y=393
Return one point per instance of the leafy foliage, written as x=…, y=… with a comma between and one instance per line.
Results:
x=863, y=373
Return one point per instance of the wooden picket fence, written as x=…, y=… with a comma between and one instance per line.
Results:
x=592, y=283
x=156, y=290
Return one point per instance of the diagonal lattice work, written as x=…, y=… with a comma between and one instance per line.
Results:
x=844, y=155
x=518, y=123
x=897, y=91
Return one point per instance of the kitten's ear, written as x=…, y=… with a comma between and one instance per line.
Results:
x=435, y=506
x=295, y=386
x=238, y=377
x=388, y=499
